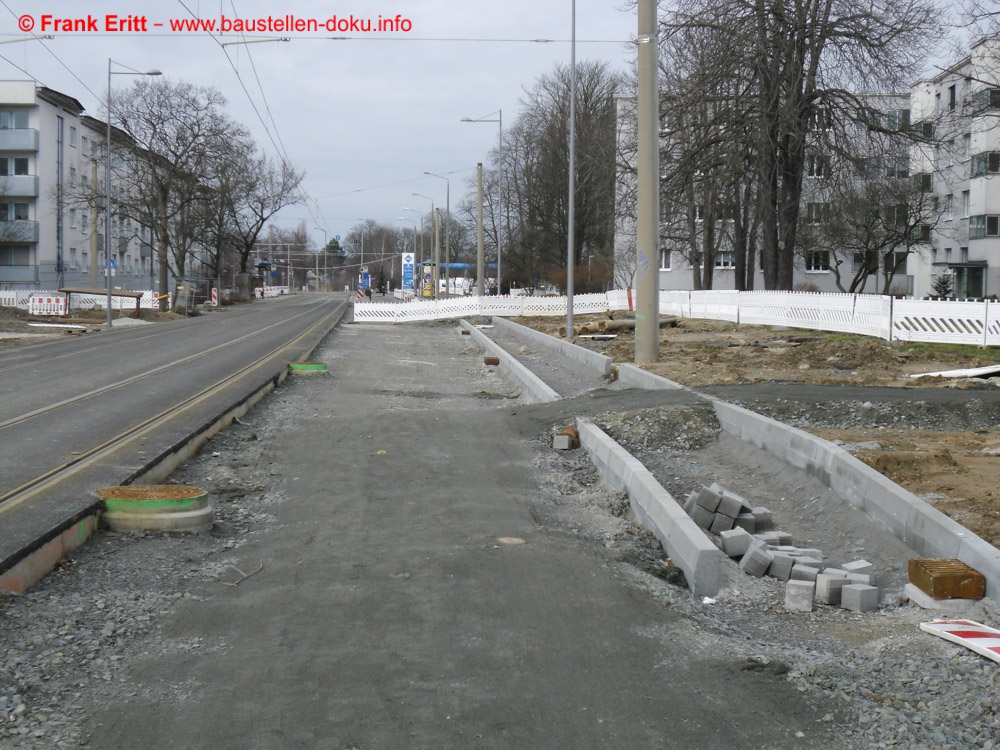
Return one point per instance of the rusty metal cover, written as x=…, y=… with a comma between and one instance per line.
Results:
x=947, y=579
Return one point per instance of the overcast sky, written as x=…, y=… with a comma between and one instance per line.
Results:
x=364, y=116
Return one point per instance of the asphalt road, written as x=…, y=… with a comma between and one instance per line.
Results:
x=391, y=611
x=63, y=399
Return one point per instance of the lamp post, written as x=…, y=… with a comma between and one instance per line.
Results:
x=420, y=253
x=498, y=120
x=107, y=178
x=447, y=231
x=437, y=249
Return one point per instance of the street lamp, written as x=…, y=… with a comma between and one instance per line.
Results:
x=107, y=177
x=447, y=232
x=499, y=120
x=437, y=248
x=420, y=254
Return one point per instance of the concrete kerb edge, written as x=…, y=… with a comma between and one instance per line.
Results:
x=928, y=531
x=635, y=376
x=601, y=363
x=534, y=388
x=687, y=545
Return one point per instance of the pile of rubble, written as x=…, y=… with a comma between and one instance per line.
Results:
x=746, y=533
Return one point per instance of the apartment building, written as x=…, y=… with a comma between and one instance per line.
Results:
x=955, y=117
x=961, y=107
x=51, y=206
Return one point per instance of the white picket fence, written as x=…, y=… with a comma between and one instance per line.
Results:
x=935, y=321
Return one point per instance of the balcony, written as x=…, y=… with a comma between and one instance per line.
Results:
x=25, y=139
x=19, y=186
x=19, y=274
x=18, y=231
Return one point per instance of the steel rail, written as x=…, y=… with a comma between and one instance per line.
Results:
x=15, y=497
x=127, y=381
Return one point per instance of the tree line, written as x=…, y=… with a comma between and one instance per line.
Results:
x=184, y=169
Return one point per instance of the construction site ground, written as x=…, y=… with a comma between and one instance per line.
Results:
x=949, y=457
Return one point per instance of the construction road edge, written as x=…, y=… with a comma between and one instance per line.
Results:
x=926, y=530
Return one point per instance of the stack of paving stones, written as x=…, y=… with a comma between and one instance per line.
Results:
x=746, y=533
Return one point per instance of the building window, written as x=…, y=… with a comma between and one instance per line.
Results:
x=966, y=146
x=72, y=136
x=15, y=255
x=816, y=165
x=987, y=162
x=14, y=165
x=965, y=204
x=897, y=215
x=947, y=255
x=818, y=260
x=899, y=262
x=16, y=120
x=72, y=259
x=664, y=254
x=933, y=255
x=963, y=255
x=84, y=268
x=898, y=166
x=14, y=212
x=898, y=119
x=952, y=97
x=72, y=217
x=84, y=145
x=72, y=175
x=84, y=222
x=725, y=259
x=986, y=99
x=984, y=226
x=946, y=213
x=817, y=213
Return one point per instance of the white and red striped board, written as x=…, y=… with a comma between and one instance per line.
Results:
x=975, y=636
x=45, y=304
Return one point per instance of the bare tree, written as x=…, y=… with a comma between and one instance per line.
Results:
x=174, y=134
x=804, y=60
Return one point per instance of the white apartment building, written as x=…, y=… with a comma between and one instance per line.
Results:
x=958, y=114
x=961, y=106
x=51, y=233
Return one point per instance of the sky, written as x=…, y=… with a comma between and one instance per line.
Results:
x=365, y=114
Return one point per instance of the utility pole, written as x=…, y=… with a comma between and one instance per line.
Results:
x=480, y=266
x=647, y=307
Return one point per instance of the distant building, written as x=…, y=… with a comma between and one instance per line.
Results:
x=956, y=117
x=961, y=106
x=52, y=163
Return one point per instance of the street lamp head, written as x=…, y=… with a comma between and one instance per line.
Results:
x=153, y=72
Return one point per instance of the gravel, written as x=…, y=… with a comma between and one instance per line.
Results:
x=881, y=679
x=878, y=679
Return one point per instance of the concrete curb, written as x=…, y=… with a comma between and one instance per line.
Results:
x=537, y=391
x=924, y=528
x=592, y=360
x=656, y=509
x=636, y=376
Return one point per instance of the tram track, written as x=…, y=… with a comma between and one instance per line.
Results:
x=54, y=500
x=5, y=424
x=96, y=453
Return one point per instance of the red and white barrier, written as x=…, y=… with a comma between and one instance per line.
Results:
x=975, y=636
x=44, y=304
